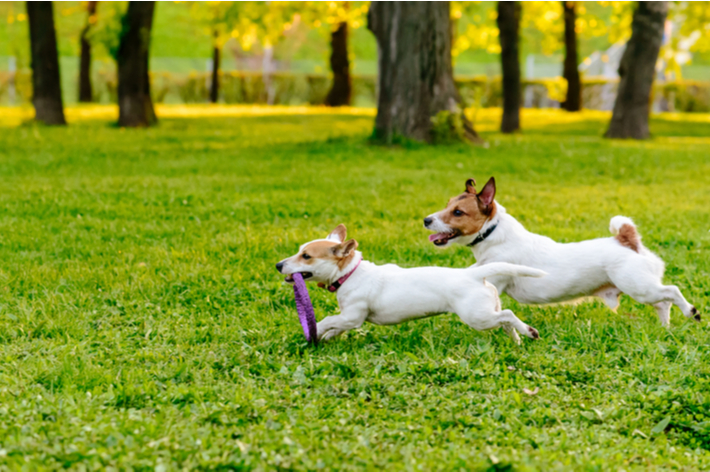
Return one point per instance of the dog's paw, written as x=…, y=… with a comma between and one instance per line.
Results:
x=533, y=333
x=327, y=336
x=694, y=313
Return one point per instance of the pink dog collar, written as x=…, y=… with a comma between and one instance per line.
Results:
x=337, y=284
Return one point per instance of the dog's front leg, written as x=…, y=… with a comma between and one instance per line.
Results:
x=351, y=318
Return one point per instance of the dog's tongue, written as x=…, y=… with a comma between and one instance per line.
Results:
x=437, y=236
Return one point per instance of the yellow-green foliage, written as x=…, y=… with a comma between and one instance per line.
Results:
x=447, y=128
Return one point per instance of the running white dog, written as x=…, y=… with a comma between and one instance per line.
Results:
x=605, y=267
x=389, y=294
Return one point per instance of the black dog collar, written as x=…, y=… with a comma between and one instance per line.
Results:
x=482, y=236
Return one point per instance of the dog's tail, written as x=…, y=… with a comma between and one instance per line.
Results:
x=504, y=268
x=624, y=231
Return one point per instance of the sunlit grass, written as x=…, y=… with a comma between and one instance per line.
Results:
x=486, y=120
x=143, y=325
x=14, y=116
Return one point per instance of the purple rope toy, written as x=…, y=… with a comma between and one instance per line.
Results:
x=305, y=308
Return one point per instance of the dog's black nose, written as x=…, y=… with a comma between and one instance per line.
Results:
x=279, y=266
x=428, y=221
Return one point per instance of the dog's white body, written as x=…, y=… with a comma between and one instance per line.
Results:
x=599, y=267
x=390, y=294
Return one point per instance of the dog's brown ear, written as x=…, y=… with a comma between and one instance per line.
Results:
x=344, y=249
x=471, y=186
x=488, y=193
x=338, y=234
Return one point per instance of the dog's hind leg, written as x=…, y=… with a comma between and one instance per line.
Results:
x=503, y=319
x=507, y=327
x=672, y=293
x=646, y=288
x=609, y=295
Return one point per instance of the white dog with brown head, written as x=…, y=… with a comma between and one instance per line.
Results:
x=604, y=267
x=390, y=294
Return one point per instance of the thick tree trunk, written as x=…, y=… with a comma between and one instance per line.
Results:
x=214, y=87
x=85, y=92
x=415, y=75
x=46, y=86
x=134, y=102
x=341, y=91
x=509, y=26
x=637, y=71
x=573, y=102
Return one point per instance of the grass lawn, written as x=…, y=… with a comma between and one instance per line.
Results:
x=143, y=325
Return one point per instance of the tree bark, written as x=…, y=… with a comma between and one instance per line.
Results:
x=509, y=26
x=573, y=101
x=341, y=91
x=46, y=85
x=85, y=91
x=637, y=71
x=415, y=75
x=214, y=87
x=134, y=101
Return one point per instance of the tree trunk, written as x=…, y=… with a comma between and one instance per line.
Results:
x=134, y=102
x=637, y=71
x=214, y=88
x=573, y=102
x=46, y=86
x=340, y=92
x=85, y=92
x=415, y=75
x=509, y=26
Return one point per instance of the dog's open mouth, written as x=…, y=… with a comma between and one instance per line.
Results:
x=439, y=239
x=306, y=276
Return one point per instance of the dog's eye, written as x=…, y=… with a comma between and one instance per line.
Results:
x=305, y=256
x=458, y=212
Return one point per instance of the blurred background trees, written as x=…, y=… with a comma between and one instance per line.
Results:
x=416, y=82
x=218, y=20
x=570, y=70
x=637, y=71
x=509, y=28
x=46, y=88
x=339, y=19
x=568, y=55
x=86, y=93
x=135, y=105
